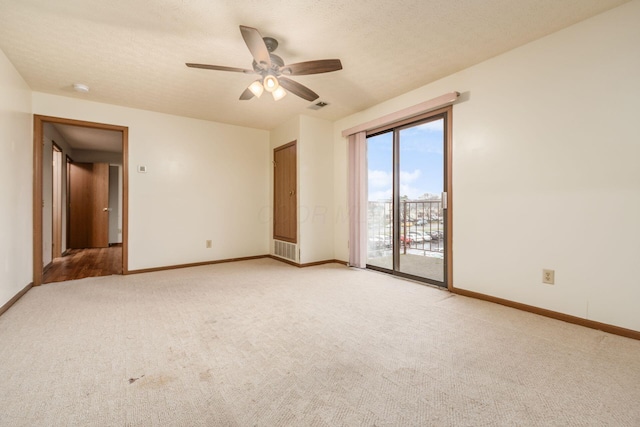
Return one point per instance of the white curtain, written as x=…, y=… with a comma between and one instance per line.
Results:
x=358, y=200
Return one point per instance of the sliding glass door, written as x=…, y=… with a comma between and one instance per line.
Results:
x=380, y=235
x=406, y=221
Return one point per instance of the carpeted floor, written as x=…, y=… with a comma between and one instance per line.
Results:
x=263, y=343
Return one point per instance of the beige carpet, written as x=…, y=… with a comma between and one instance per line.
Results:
x=263, y=343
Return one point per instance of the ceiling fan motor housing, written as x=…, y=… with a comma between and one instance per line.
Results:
x=276, y=64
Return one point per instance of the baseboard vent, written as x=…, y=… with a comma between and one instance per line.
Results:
x=285, y=250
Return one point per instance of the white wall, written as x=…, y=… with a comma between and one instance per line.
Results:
x=16, y=152
x=314, y=151
x=50, y=135
x=283, y=134
x=545, y=170
x=205, y=180
x=315, y=172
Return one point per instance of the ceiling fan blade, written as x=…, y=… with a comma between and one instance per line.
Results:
x=312, y=67
x=220, y=68
x=298, y=89
x=247, y=94
x=256, y=46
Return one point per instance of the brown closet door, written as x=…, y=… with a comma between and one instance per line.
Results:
x=88, y=205
x=285, y=220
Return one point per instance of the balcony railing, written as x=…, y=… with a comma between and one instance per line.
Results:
x=421, y=227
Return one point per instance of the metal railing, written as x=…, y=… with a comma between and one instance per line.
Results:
x=421, y=225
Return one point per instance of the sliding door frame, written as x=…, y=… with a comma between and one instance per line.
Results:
x=446, y=114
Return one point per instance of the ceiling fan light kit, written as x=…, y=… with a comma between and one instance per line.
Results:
x=271, y=69
x=271, y=83
x=279, y=93
x=256, y=88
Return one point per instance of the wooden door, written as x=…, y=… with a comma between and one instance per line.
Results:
x=88, y=205
x=285, y=206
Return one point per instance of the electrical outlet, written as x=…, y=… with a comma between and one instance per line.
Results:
x=208, y=244
x=548, y=276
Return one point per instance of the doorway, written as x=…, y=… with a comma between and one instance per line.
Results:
x=408, y=219
x=95, y=145
x=285, y=206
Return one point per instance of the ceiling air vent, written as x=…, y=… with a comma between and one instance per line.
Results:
x=318, y=105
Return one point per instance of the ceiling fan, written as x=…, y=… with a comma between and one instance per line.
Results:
x=272, y=70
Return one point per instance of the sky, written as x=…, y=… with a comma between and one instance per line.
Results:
x=421, y=162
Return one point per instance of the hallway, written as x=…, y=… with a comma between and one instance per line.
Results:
x=80, y=263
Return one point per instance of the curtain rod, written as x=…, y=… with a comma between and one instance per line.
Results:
x=423, y=107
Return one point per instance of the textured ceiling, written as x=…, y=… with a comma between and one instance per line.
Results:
x=84, y=138
x=132, y=52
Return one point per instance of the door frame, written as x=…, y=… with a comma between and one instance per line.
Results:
x=447, y=115
x=38, y=135
x=56, y=202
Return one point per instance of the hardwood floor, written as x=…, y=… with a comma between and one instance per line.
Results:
x=80, y=263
